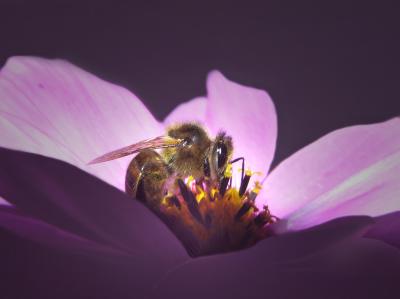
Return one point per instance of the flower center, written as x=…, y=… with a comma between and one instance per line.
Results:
x=213, y=217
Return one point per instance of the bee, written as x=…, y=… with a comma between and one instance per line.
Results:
x=186, y=150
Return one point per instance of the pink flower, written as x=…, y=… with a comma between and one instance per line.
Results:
x=57, y=110
x=52, y=108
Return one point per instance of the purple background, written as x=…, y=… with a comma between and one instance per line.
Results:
x=325, y=66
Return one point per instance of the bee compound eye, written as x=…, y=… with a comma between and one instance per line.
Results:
x=221, y=154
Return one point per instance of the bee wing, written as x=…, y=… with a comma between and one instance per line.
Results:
x=154, y=143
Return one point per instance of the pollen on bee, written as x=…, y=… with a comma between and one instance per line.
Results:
x=212, y=217
x=189, y=180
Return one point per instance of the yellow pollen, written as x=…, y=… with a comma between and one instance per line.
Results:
x=248, y=172
x=200, y=194
x=257, y=187
x=228, y=171
x=164, y=200
x=189, y=180
x=213, y=192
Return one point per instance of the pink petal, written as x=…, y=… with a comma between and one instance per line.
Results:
x=53, y=108
x=192, y=111
x=245, y=113
x=351, y=171
x=4, y=202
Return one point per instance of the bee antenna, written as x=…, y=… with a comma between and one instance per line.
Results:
x=236, y=160
x=221, y=134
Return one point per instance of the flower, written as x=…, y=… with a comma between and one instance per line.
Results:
x=52, y=108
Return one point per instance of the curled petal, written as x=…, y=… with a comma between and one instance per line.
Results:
x=75, y=270
x=192, y=111
x=53, y=108
x=68, y=198
x=351, y=171
x=328, y=261
x=248, y=115
x=41, y=232
x=386, y=228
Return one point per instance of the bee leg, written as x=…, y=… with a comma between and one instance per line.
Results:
x=145, y=178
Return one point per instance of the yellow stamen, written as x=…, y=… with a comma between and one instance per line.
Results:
x=248, y=172
x=200, y=217
x=200, y=194
x=189, y=180
x=213, y=192
x=228, y=171
x=257, y=187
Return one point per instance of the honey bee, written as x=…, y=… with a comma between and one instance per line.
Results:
x=187, y=150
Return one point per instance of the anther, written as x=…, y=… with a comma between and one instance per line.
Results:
x=190, y=201
x=200, y=194
x=253, y=193
x=261, y=219
x=225, y=180
x=212, y=194
x=243, y=210
x=173, y=200
x=244, y=183
x=223, y=185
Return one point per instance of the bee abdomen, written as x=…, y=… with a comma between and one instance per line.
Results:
x=145, y=177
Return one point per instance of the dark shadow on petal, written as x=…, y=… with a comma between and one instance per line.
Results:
x=29, y=270
x=41, y=232
x=66, y=197
x=387, y=229
x=332, y=260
